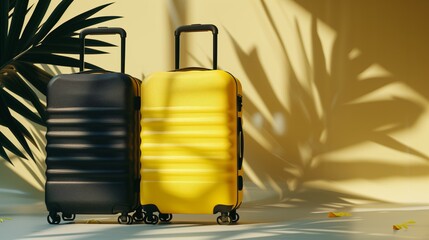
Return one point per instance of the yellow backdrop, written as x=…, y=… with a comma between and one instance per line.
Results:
x=335, y=91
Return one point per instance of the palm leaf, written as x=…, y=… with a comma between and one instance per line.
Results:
x=25, y=131
x=12, y=4
x=6, y=143
x=33, y=24
x=9, y=83
x=20, y=108
x=36, y=76
x=48, y=58
x=63, y=49
x=61, y=31
x=69, y=41
x=4, y=19
x=19, y=13
x=17, y=85
x=3, y=154
x=51, y=21
x=13, y=125
x=64, y=29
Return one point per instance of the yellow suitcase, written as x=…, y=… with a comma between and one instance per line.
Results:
x=192, y=141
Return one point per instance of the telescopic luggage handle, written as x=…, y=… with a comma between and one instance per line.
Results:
x=102, y=31
x=196, y=28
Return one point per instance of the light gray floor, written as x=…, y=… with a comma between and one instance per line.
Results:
x=275, y=221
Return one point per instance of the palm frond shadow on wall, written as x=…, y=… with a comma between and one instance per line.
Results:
x=299, y=154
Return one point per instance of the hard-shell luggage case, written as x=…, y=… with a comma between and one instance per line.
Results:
x=192, y=141
x=93, y=142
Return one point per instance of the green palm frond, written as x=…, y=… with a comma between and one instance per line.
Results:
x=24, y=43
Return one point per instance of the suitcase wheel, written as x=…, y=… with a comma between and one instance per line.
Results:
x=68, y=217
x=54, y=218
x=165, y=217
x=150, y=219
x=234, y=217
x=224, y=219
x=125, y=219
x=138, y=216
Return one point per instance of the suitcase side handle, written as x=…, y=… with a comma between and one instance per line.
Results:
x=240, y=136
x=102, y=31
x=195, y=28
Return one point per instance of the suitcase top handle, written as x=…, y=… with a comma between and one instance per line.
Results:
x=196, y=28
x=102, y=31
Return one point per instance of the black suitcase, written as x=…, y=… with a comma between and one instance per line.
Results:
x=93, y=142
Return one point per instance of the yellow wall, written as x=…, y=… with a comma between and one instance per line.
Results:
x=336, y=91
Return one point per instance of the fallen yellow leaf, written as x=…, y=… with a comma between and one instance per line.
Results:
x=403, y=225
x=339, y=214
